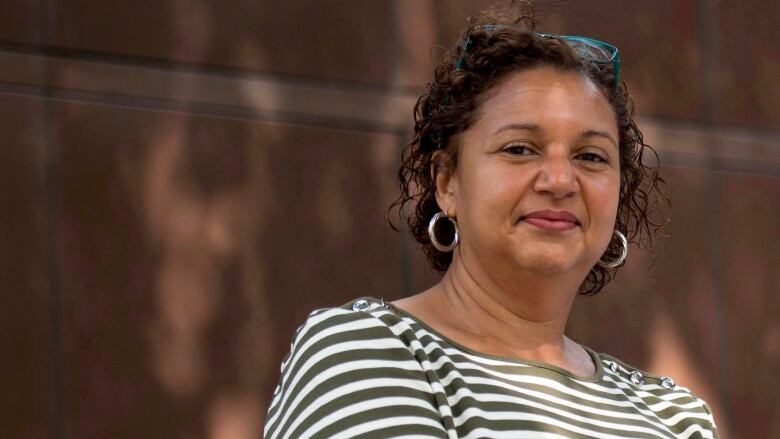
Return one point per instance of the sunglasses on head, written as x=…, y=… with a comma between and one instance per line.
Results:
x=585, y=48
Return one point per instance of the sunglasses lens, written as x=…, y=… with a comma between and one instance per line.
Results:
x=592, y=51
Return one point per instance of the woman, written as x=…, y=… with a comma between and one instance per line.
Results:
x=524, y=176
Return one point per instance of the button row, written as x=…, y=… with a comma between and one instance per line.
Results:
x=637, y=378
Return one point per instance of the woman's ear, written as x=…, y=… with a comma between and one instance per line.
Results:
x=442, y=173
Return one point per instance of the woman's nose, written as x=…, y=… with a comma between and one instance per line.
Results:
x=556, y=178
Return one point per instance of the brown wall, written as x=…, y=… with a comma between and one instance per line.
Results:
x=183, y=181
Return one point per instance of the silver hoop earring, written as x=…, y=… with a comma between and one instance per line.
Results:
x=432, y=233
x=619, y=261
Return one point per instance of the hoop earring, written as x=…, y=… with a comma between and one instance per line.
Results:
x=619, y=261
x=432, y=234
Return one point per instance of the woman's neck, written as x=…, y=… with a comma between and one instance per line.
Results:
x=523, y=313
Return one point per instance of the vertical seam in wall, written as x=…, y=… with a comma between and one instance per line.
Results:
x=53, y=266
x=706, y=33
x=706, y=26
x=407, y=281
x=715, y=205
x=52, y=260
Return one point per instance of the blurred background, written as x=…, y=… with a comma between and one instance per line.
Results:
x=183, y=181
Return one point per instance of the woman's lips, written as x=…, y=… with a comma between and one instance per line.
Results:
x=550, y=225
x=552, y=221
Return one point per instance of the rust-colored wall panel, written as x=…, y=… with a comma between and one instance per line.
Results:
x=26, y=339
x=109, y=265
x=751, y=278
x=20, y=21
x=336, y=39
x=682, y=268
x=192, y=248
x=746, y=63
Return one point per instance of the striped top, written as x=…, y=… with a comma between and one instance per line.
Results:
x=366, y=370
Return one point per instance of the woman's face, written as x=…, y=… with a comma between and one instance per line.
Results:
x=538, y=177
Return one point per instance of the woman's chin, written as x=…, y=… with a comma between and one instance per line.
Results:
x=546, y=266
x=547, y=262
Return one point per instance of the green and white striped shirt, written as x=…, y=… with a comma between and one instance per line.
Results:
x=366, y=370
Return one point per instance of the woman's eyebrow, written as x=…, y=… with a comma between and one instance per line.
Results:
x=595, y=133
x=518, y=126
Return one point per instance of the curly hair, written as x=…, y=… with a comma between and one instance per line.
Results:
x=481, y=57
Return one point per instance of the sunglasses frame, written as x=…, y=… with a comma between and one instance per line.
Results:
x=614, y=58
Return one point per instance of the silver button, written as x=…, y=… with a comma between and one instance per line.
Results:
x=637, y=378
x=667, y=383
x=613, y=366
x=361, y=305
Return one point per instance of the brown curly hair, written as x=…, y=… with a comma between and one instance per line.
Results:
x=449, y=107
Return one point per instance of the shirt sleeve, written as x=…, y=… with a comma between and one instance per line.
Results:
x=348, y=375
x=714, y=428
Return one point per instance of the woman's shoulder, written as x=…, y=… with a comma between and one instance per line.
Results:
x=350, y=319
x=660, y=393
x=361, y=327
x=343, y=361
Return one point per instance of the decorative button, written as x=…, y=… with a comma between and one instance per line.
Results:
x=667, y=383
x=637, y=378
x=613, y=366
x=361, y=305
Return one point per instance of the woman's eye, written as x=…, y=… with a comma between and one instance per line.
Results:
x=518, y=150
x=592, y=157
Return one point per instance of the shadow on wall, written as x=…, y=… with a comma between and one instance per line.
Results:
x=205, y=204
x=182, y=298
